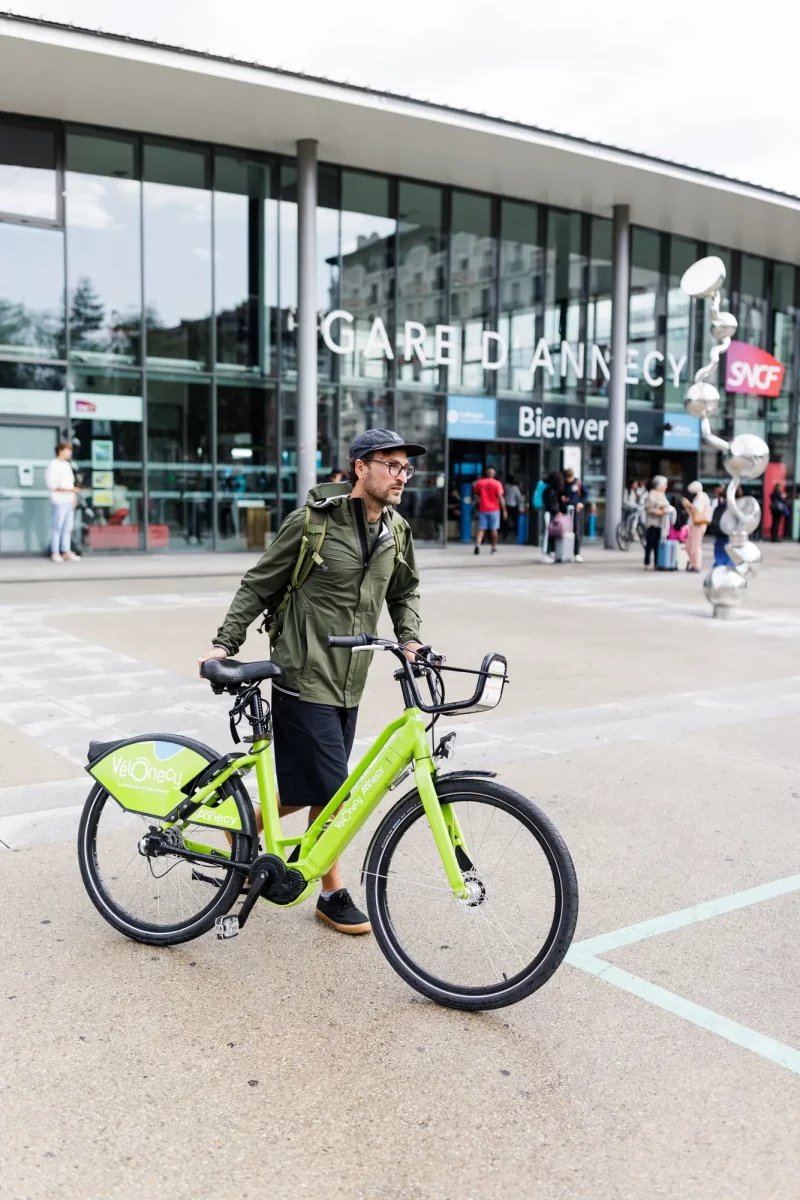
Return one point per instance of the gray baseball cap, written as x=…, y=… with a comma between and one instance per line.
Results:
x=381, y=439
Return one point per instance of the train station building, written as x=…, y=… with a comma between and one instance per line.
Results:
x=213, y=274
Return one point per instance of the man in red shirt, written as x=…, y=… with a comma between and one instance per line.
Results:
x=491, y=501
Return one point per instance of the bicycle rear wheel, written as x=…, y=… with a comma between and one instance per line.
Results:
x=159, y=900
x=510, y=935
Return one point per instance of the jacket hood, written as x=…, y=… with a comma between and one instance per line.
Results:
x=328, y=495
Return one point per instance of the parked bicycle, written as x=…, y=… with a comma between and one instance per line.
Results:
x=470, y=889
x=631, y=526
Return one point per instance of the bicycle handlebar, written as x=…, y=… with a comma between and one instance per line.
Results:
x=426, y=663
x=349, y=642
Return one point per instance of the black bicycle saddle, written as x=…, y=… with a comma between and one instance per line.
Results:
x=227, y=672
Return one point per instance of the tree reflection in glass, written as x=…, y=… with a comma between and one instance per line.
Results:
x=103, y=222
x=31, y=292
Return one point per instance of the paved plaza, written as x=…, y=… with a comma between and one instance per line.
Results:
x=663, y=1058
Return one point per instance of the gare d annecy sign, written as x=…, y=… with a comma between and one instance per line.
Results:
x=748, y=369
x=590, y=361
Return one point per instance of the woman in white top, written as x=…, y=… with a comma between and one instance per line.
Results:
x=698, y=506
x=60, y=481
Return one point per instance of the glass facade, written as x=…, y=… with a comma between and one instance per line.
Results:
x=148, y=307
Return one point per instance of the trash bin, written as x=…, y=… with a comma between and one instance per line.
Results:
x=259, y=527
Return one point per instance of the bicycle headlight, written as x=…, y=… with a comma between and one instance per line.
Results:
x=493, y=670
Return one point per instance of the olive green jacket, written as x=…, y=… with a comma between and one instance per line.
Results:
x=344, y=597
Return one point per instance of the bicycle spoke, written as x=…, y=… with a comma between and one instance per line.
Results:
x=500, y=929
x=407, y=879
x=155, y=891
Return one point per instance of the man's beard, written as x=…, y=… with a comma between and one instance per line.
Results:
x=380, y=496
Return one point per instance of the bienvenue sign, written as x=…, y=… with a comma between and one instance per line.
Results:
x=484, y=418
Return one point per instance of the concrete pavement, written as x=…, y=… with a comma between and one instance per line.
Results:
x=663, y=745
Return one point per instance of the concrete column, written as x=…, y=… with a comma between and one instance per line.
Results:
x=306, y=317
x=620, y=295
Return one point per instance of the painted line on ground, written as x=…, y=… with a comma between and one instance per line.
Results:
x=685, y=916
x=585, y=957
x=740, y=1035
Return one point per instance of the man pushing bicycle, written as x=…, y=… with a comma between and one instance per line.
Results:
x=331, y=567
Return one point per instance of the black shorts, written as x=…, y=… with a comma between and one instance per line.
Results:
x=312, y=745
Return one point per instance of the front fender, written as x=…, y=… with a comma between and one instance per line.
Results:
x=447, y=775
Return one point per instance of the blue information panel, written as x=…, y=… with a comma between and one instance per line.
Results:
x=684, y=434
x=472, y=417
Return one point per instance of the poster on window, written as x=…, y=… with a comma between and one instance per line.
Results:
x=102, y=453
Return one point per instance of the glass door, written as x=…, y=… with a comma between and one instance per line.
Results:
x=25, y=451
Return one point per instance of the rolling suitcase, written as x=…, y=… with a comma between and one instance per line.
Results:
x=564, y=549
x=564, y=541
x=667, y=556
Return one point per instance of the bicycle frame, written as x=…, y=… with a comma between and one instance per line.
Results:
x=402, y=743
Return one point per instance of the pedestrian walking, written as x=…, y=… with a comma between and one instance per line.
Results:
x=551, y=504
x=576, y=497
x=59, y=479
x=365, y=558
x=657, y=510
x=697, y=507
x=513, y=497
x=721, y=539
x=779, y=510
x=491, y=502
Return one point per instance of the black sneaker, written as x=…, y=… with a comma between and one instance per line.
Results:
x=477, y=549
x=340, y=912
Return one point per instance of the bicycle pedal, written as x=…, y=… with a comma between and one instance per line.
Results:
x=227, y=927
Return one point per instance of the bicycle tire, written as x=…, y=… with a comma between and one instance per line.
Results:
x=623, y=536
x=125, y=922
x=397, y=823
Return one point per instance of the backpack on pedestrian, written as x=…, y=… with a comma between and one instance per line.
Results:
x=309, y=556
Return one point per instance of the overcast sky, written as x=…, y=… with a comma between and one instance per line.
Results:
x=712, y=85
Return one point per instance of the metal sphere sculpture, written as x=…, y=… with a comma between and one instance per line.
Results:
x=745, y=457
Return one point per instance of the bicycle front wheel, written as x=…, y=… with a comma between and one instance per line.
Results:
x=623, y=536
x=511, y=933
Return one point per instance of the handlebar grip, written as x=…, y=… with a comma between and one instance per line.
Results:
x=349, y=642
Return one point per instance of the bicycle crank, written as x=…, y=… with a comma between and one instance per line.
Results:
x=268, y=878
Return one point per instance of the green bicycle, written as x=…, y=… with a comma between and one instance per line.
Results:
x=470, y=889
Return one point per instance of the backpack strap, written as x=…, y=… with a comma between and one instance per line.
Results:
x=396, y=526
x=315, y=525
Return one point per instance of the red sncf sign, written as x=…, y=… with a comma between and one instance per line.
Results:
x=750, y=370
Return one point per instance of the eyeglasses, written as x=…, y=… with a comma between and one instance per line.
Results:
x=397, y=469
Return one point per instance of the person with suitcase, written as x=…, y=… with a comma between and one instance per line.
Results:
x=656, y=510
x=551, y=495
x=577, y=497
x=562, y=531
